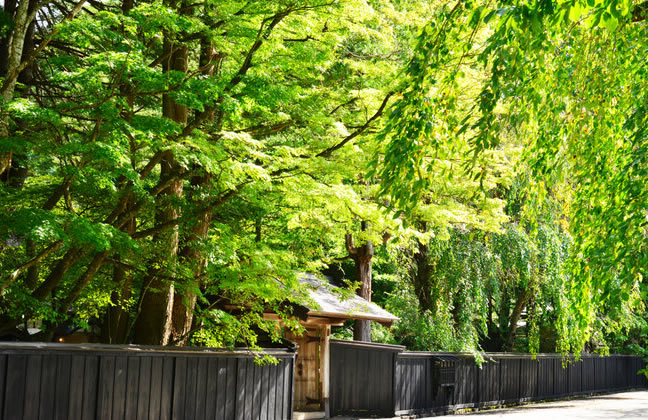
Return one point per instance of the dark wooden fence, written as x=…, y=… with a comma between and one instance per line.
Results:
x=386, y=380
x=50, y=381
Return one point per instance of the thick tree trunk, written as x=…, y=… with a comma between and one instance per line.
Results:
x=15, y=43
x=422, y=277
x=520, y=304
x=184, y=300
x=361, y=327
x=361, y=256
x=153, y=324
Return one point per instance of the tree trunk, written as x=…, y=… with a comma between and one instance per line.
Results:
x=520, y=304
x=116, y=320
x=184, y=300
x=361, y=256
x=362, y=327
x=153, y=324
x=16, y=41
x=422, y=277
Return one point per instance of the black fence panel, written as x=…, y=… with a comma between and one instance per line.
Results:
x=545, y=377
x=561, y=378
x=466, y=387
x=489, y=383
x=600, y=378
x=61, y=381
x=363, y=379
x=575, y=376
x=528, y=379
x=588, y=376
x=415, y=387
x=510, y=379
x=501, y=378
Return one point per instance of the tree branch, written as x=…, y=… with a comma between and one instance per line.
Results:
x=13, y=76
x=37, y=259
x=174, y=222
x=362, y=129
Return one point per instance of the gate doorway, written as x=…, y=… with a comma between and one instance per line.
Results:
x=311, y=372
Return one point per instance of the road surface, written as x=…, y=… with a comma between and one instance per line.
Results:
x=625, y=405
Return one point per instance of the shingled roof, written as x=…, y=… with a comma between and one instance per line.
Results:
x=328, y=303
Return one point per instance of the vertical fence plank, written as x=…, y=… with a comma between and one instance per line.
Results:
x=272, y=390
x=240, y=389
x=166, y=395
x=265, y=392
x=47, y=387
x=189, y=400
x=155, y=390
x=179, y=388
x=90, y=387
x=232, y=386
x=255, y=387
x=77, y=373
x=144, y=397
x=211, y=393
x=132, y=379
x=106, y=386
x=15, y=388
x=119, y=387
x=222, y=390
x=32, y=387
x=62, y=400
x=201, y=387
x=279, y=395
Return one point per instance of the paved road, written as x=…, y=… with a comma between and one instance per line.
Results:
x=626, y=405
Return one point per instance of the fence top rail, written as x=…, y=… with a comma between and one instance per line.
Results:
x=10, y=347
x=402, y=352
x=414, y=354
x=368, y=345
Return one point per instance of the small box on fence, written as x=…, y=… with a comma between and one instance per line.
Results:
x=445, y=370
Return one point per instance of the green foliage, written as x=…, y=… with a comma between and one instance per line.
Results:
x=500, y=145
x=566, y=79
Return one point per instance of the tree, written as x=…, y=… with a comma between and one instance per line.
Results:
x=565, y=77
x=176, y=153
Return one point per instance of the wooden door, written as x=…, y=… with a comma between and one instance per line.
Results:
x=308, y=391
